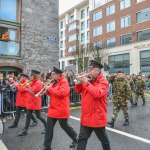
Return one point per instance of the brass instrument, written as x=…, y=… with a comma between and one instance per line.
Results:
x=79, y=76
x=26, y=82
x=42, y=90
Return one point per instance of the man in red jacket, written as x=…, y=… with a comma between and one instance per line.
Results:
x=33, y=103
x=59, y=109
x=21, y=100
x=94, y=106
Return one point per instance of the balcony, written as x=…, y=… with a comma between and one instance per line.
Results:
x=9, y=48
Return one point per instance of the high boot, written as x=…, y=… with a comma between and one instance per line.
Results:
x=143, y=102
x=23, y=133
x=111, y=123
x=135, y=104
x=13, y=126
x=126, y=123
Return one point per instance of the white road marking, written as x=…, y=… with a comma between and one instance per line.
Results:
x=2, y=146
x=121, y=132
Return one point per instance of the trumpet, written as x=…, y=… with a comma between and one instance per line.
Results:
x=42, y=90
x=26, y=82
x=80, y=76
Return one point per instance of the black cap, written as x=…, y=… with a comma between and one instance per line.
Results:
x=95, y=64
x=57, y=70
x=120, y=71
x=24, y=75
x=35, y=72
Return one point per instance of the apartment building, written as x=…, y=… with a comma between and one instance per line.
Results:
x=32, y=28
x=122, y=28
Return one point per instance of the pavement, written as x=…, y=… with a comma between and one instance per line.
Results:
x=136, y=136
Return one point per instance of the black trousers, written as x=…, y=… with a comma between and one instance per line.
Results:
x=38, y=115
x=50, y=127
x=85, y=133
x=18, y=114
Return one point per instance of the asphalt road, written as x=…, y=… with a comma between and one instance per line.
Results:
x=136, y=136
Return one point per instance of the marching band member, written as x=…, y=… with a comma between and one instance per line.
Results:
x=21, y=100
x=33, y=103
x=94, y=106
x=59, y=109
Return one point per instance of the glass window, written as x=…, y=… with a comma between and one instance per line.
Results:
x=143, y=35
x=126, y=39
x=71, y=19
x=111, y=42
x=61, y=25
x=124, y=4
x=82, y=37
x=88, y=23
x=110, y=10
x=61, y=53
x=119, y=62
x=87, y=11
x=88, y=35
x=143, y=15
x=111, y=26
x=8, y=10
x=97, y=31
x=61, y=44
x=97, y=3
x=72, y=48
x=83, y=25
x=125, y=21
x=97, y=15
x=72, y=37
x=145, y=61
x=98, y=44
x=83, y=14
x=61, y=34
x=72, y=27
x=139, y=1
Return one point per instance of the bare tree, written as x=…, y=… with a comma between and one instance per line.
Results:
x=99, y=54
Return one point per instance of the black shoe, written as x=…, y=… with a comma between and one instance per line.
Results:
x=73, y=144
x=111, y=124
x=13, y=126
x=44, y=148
x=132, y=105
x=143, y=103
x=23, y=133
x=126, y=123
x=34, y=124
x=135, y=104
x=43, y=132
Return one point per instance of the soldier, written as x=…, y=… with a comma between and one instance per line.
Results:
x=132, y=86
x=140, y=86
x=121, y=94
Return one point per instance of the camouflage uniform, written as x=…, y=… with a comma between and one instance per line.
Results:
x=122, y=93
x=132, y=86
x=140, y=86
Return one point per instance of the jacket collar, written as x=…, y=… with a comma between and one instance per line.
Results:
x=98, y=77
x=61, y=78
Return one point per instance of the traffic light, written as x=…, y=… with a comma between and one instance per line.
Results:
x=106, y=67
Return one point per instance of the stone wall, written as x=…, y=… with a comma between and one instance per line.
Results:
x=39, y=24
x=39, y=21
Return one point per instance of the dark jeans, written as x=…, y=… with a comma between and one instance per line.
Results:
x=18, y=114
x=85, y=133
x=50, y=127
x=38, y=115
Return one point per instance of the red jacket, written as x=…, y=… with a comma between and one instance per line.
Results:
x=59, y=99
x=21, y=95
x=94, y=102
x=34, y=103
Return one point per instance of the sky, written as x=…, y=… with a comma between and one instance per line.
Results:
x=64, y=5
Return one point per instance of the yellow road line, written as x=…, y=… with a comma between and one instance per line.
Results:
x=76, y=107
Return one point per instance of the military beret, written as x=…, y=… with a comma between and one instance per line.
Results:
x=35, y=72
x=57, y=70
x=95, y=64
x=24, y=75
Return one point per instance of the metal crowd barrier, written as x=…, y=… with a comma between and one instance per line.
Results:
x=8, y=100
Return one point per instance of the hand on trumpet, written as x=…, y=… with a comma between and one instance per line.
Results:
x=82, y=79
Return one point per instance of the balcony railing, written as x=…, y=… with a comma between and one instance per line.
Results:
x=9, y=48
